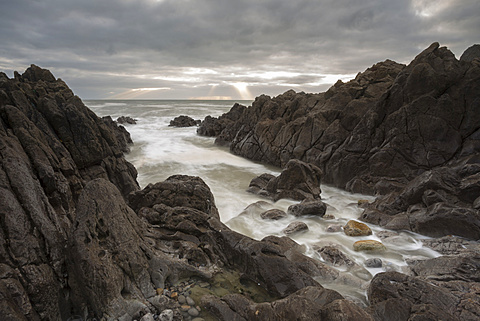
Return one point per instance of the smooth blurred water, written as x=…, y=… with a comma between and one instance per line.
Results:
x=160, y=151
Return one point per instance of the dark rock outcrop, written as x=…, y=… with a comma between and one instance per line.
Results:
x=212, y=126
x=410, y=134
x=71, y=245
x=298, y=181
x=444, y=288
x=183, y=121
x=51, y=148
x=471, y=53
x=126, y=120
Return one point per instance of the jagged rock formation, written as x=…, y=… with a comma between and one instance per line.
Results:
x=445, y=288
x=412, y=132
x=72, y=246
x=78, y=237
x=298, y=181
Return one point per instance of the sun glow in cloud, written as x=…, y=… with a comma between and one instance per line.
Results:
x=242, y=89
x=137, y=92
x=429, y=8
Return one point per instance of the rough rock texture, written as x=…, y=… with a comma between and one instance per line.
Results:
x=308, y=207
x=310, y=303
x=51, y=148
x=408, y=133
x=70, y=245
x=126, y=120
x=444, y=288
x=354, y=228
x=183, y=121
x=295, y=227
x=273, y=214
x=212, y=126
x=298, y=181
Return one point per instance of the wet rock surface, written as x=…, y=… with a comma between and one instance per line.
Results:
x=297, y=181
x=410, y=134
x=71, y=245
x=184, y=121
x=79, y=240
x=354, y=228
x=126, y=120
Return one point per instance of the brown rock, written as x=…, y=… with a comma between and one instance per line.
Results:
x=369, y=246
x=354, y=228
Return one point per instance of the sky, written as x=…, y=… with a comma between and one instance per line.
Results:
x=214, y=49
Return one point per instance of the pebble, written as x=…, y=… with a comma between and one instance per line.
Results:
x=334, y=228
x=190, y=301
x=181, y=299
x=193, y=312
x=147, y=317
x=373, y=263
x=166, y=315
x=198, y=319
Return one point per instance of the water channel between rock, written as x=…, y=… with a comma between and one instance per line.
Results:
x=160, y=151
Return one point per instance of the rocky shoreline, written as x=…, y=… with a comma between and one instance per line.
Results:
x=79, y=240
x=407, y=134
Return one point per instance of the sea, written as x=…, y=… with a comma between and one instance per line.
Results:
x=160, y=151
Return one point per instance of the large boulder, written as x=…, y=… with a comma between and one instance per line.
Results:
x=297, y=181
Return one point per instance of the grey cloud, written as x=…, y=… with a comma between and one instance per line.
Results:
x=118, y=41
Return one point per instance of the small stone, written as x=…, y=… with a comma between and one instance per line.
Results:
x=333, y=228
x=185, y=307
x=369, y=246
x=193, y=312
x=273, y=214
x=182, y=299
x=354, y=228
x=198, y=319
x=190, y=301
x=295, y=227
x=166, y=315
x=174, y=295
x=374, y=263
x=159, y=291
x=328, y=217
x=147, y=317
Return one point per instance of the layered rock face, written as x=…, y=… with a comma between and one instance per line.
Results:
x=411, y=133
x=51, y=147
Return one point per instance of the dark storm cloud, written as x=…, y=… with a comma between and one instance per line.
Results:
x=104, y=47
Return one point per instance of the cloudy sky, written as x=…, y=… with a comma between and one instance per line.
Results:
x=167, y=49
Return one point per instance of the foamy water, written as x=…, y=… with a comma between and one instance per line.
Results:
x=161, y=151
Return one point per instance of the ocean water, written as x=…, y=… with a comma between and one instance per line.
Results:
x=160, y=151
